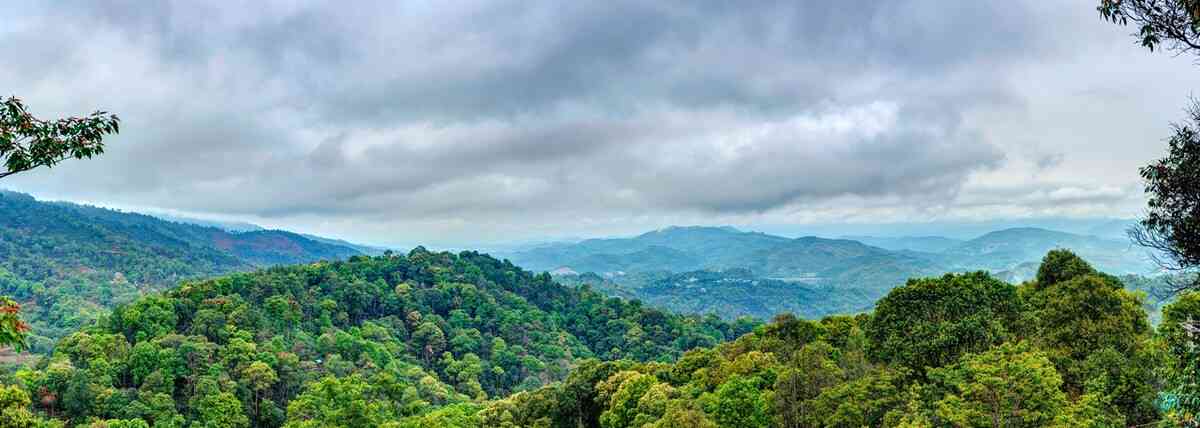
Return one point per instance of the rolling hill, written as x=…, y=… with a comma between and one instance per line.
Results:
x=67, y=263
x=1009, y=248
x=424, y=329
x=643, y=266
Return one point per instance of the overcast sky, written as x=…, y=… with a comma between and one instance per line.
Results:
x=458, y=122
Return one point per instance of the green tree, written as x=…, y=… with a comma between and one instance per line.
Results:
x=930, y=322
x=1009, y=386
x=260, y=377
x=1180, y=330
x=1173, y=22
x=27, y=142
x=812, y=372
x=430, y=339
x=1171, y=227
x=333, y=402
x=739, y=403
x=1095, y=332
x=14, y=408
x=219, y=410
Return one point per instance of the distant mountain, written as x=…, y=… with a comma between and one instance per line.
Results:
x=730, y=294
x=927, y=244
x=673, y=249
x=1009, y=248
x=229, y=226
x=365, y=249
x=814, y=261
x=1113, y=229
x=243, y=227
x=646, y=266
x=838, y=263
x=67, y=263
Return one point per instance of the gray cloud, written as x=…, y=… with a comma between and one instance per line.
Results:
x=443, y=121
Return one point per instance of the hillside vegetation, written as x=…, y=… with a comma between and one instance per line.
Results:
x=465, y=340
x=735, y=273
x=66, y=264
x=416, y=332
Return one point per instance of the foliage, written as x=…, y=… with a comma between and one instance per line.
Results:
x=729, y=294
x=362, y=342
x=1095, y=332
x=27, y=142
x=1171, y=227
x=1011, y=385
x=465, y=340
x=931, y=322
x=1173, y=22
x=1181, y=335
x=68, y=264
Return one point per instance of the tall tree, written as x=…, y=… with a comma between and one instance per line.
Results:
x=1172, y=223
x=27, y=142
x=1171, y=227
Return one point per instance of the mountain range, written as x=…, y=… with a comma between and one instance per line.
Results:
x=734, y=272
x=816, y=259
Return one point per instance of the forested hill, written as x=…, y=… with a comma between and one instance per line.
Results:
x=465, y=340
x=873, y=263
x=67, y=263
x=421, y=331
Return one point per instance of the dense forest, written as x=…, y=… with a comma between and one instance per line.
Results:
x=737, y=273
x=440, y=339
x=728, y=293
x=67, y=264
x=413, y=333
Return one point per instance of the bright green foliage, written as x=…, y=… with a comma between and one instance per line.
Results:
x=119, y=423
x=27, y=142
x=1009, y=386
x=67, y=265
x=931, y=322
x=1180, y=331
x=739, y=403
x=864, y=401
x=625, y=392
x=333, y=402
x=463, y=415
x=14, y=409
x=279, y=345
x=219, y=410
x=337, y=345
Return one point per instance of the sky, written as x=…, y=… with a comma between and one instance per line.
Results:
x=452, y=123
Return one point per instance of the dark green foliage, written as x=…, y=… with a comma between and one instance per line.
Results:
x=1172, y=184
x=1181, y=333
x=1173, y=22
x=27, y=142
x=363, y=341
x=931, y=322
x=440, y=339
x=66, y=264
x=1059, y=266
x=1095, y=332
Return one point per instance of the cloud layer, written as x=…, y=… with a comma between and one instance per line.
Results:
x=453, y=122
